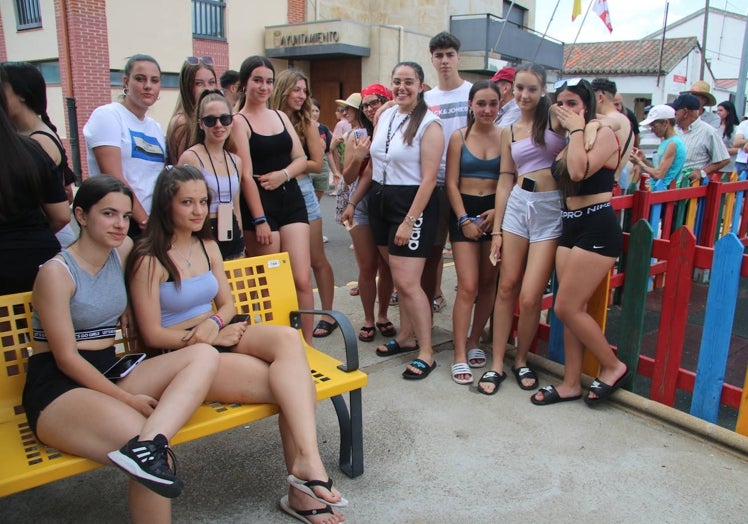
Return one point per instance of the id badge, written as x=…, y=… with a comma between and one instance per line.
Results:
x=225, y=221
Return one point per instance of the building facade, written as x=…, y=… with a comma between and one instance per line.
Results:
x=81, y=46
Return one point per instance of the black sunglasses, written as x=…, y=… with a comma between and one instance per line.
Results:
x=211, y=120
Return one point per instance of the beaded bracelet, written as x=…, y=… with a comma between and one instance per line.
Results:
x=218, y=320
x=411, y=219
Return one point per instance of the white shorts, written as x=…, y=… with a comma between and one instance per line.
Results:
x=534, y=216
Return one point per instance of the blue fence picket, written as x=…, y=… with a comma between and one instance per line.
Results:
x=715, y=341
x=738, y=209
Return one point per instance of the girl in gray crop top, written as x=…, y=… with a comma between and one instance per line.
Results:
x=78, y=298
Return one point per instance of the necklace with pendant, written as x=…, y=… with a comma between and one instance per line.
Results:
x=188, y=258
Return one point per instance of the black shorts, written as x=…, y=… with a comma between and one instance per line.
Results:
x=282, y=206
x=45, y=382
x=593, y=228
x=474, y=206
x=233, y=248
x=388, y=206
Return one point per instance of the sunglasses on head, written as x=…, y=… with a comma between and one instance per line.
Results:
x=195, y=60
x=211, y=120
x=569, y=82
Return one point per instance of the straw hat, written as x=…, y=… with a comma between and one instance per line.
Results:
x=353, y=101
x=702, y=90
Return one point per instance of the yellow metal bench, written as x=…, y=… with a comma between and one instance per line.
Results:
x=263, y=288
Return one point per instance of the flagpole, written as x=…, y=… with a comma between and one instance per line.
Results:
x=662, y=43
x=496, y=45
x=703, y=40
x=579, y=31
x=537, y=50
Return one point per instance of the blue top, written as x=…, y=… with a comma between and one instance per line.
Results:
x=94, y=315
x=473, y=167
x=676, y=167
x=194, y=297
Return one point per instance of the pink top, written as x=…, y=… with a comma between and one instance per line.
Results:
x=529, y=156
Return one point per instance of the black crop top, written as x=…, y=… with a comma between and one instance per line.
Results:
x=600, y=181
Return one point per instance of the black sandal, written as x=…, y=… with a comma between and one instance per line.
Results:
x=491, y=377
x=326, y=328
x=525, y=373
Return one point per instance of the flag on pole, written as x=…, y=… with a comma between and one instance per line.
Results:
x=576, y=10
x=600, y=7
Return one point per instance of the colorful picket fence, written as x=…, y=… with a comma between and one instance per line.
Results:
x=670, y=253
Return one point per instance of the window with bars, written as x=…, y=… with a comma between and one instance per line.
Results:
x=208, y=19
x=28, y=14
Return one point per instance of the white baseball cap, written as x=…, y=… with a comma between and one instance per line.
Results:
x=658, y=112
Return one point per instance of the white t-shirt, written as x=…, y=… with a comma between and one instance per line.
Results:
x=141, y=142
x=452, y=108
x=401, y=162
x=742, y=129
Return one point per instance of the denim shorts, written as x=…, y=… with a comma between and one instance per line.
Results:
x=310, y=198
x=534, y=216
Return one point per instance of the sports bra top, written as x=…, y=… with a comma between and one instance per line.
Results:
x=94, y=315
x=473, y=167
x=529, y=156
x=600, y=181
x=193, y=297
x=269, y=152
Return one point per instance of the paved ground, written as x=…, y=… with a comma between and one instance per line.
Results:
x=437, y=452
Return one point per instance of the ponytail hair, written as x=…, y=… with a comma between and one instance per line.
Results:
x=416, y=116
x=480, y=84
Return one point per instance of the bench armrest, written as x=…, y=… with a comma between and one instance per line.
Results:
x=346, y=328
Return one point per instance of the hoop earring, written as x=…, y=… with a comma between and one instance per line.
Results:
x=124, y=91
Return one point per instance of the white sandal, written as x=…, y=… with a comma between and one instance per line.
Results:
x=476, y=354
x=462, y=369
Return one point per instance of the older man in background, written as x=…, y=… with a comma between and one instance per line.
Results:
x=509, y=111
x=702, y=91
x=705, y=152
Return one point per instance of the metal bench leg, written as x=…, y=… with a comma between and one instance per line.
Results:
x=351, y=433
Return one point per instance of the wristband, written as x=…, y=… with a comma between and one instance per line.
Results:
x=496, y=233
x=259, y=220
x=575, y=131
x=464, y=218
x=218, y=320
x=352, y=203
x=288, y=177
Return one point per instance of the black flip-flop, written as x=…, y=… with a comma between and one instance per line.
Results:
x=603, y=390
x=326, y=326
x=491, y=377
x=525, y=373
x=393, y=348
x=419, y=364
x=386, y=329
x=551, y=396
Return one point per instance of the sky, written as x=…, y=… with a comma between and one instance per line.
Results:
x=631, y=19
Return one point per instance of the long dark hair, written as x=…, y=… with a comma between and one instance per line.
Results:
x=19, y=172
x=198, y=134
x=28, y=83
x=416, y=116
x=480, y=84
x=246, y=70
x=95, y=188
x=731, y=120
x=583, y=89
x=542, y=111
x=156, y=240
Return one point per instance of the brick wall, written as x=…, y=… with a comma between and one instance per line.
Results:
x=84, y=61
x=215, y=49
x=296, y=11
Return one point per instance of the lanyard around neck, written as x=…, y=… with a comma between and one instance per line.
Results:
x=215, y=174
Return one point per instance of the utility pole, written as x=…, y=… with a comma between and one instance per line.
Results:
x=742, y=72
x=703, y=40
